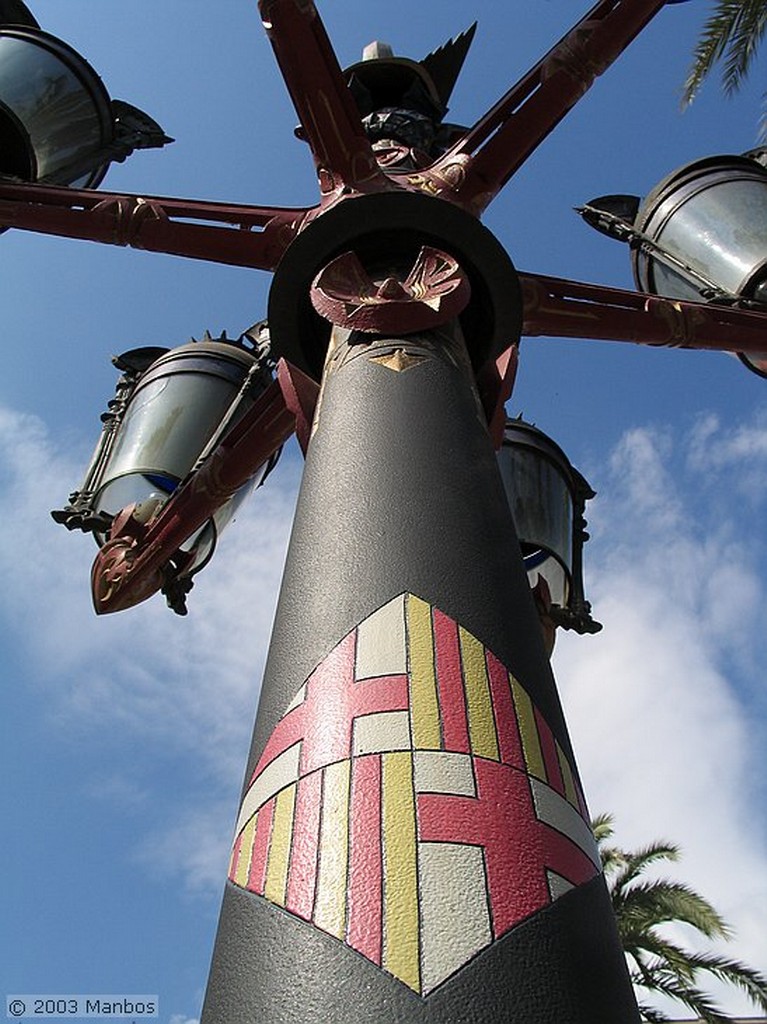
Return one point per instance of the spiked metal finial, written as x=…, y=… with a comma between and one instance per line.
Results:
x=382, y=79
x=444, y=64
x=16, y=12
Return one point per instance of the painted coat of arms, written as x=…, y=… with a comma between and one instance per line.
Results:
x=412, y=801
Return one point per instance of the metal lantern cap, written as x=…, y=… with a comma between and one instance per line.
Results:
x=382, y=79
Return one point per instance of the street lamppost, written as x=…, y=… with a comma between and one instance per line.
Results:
x=412, y=843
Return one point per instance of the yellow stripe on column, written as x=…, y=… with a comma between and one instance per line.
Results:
x=240, y=876
x=330, y=898
x=482, y=734
x=423, y=683
x=276, y=882
x=531, y=745
x=567, y=777
x=401, y=921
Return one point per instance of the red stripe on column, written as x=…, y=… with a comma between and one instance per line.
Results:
x=501, y=818
x=365, y=909
x=509, y=741
x=302, y=878
x=549, y=751
x=452, y=700
x=567, y=859
x=257, y=873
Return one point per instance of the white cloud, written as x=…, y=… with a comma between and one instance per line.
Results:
x=734, y=455
x=196, y=839
x=669, y=731
x=150, y=681
x=146, y=667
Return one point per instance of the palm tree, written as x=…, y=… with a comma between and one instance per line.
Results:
x=658, y=964
x=732, y=34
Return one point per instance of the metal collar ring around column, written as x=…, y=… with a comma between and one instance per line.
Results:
x=390, y=227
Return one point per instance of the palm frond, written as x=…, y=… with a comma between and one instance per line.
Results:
x=602, y=827
x=654, y=953
x=643, y=906
x=637, y=861
x=734, y=972
x=745, y=40
x=712, y=43
x=650, y=1014
x=647, y=904
x=733, y=33
x=612, y=857
x=701, y=1004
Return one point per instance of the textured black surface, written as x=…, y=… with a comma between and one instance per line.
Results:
x=561, y=966
x=401, y=493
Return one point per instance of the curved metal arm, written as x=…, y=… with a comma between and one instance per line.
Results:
x=490, y=152
x=329, y=118
x=570, y=309
x=243, y=236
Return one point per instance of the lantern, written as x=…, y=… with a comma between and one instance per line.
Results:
x=58, y=125
x=700, y=235
x=548, y=497
x=171, y=409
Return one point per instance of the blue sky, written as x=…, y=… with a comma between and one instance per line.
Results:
x=124, y=739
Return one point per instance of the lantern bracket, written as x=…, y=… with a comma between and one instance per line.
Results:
x=598, y=216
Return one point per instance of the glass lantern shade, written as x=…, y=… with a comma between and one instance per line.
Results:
x=55, y=114
x=547, y=498
x=178, y=406
x=171, y=407
x=699, y=236
x=712, y=215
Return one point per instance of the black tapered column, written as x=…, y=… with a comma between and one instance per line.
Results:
x=413, y=843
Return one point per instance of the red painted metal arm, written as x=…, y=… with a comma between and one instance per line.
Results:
x=329, y=117
x=570, y=309
x=500, y=142
x=129, y=568
x=243, y=236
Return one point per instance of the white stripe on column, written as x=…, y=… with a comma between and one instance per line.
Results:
x=558, y=885
x=441, y=771
x=554, y=810
x=381, y=649
x=381, y=732
x=455, y=917
x=278, y=773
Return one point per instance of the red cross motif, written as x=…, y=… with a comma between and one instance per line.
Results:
x=338, y=878
x=325, y=719
x=518, y=847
